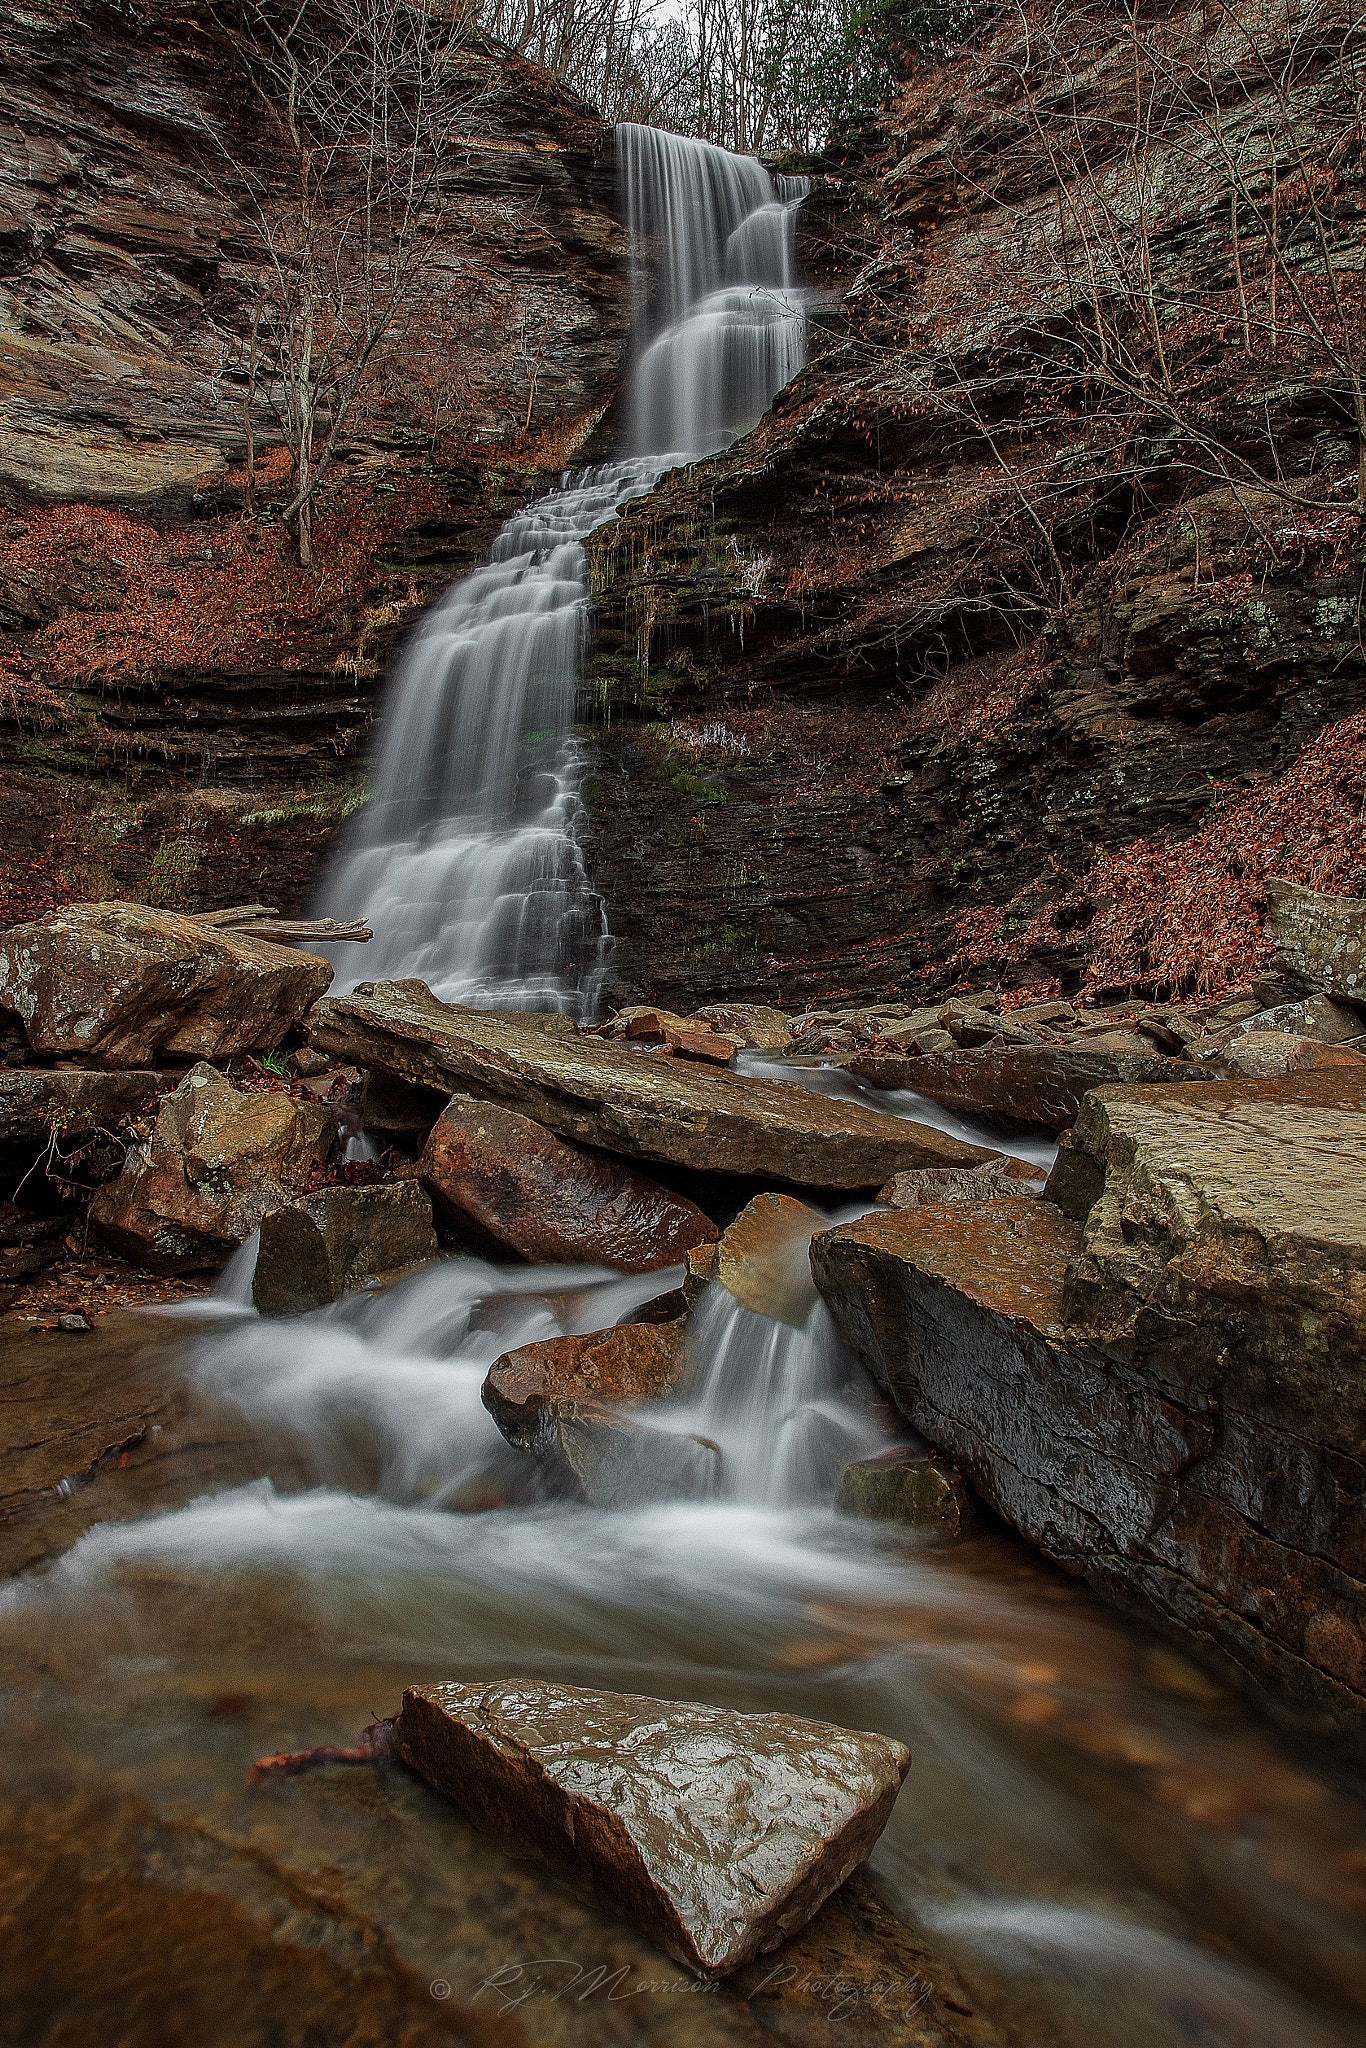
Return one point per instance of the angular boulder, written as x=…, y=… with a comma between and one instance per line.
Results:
x=622, y=1102
x=1321, y=940
x=1020, y=1087
x=118, y=984
x=330, y=1242
x=215, y=1162
x=617, y=1462
x=548, y=1201
x=1169, y=1399
x=633, y=1363
x=762, y=1259
x=715, y=1833
x=749, y=1024
x=1313, y=1017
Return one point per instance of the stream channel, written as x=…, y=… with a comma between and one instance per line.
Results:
x=1095, y=1846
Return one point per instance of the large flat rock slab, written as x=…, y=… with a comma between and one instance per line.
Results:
x=1020, y=1087
x=119, y=984
x=1167, y=1398
x=624, y=1102
x=35, y=1101
x=716, y=1833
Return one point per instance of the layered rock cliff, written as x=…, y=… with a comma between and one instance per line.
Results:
x=990, y=652
x=183, y=710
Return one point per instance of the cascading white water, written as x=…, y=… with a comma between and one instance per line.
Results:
x=468, y=861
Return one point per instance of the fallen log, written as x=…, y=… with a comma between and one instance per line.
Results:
x=259, y=921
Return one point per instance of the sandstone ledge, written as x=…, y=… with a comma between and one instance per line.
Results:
x=623, y=1102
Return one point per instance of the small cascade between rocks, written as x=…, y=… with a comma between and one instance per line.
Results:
x=468, y=859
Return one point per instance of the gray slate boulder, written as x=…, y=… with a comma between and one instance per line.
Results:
x=1321, y=940
x=717, y=1834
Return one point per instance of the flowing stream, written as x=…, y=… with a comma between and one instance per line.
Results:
x=1110, y=1851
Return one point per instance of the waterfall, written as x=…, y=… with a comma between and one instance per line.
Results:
x=468, y=860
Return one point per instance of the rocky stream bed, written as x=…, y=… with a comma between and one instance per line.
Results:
x=694, y=1425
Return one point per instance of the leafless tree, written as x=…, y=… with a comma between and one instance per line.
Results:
x=362, y=106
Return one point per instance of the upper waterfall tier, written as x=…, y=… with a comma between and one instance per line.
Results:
x=468, y=860
x=717, y=326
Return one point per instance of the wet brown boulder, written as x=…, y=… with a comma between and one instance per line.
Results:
x=215, y=1162
x=1166, y=1398
x=762, y=1259
x=1321, y=940
x=118, y=984
x=550, y=1201
x=633, y=1363
x=564, y=1401
x=1261, y=1055
x=1021, y=1087
x=716, y=1833
x=331, y=1242
x=622, y=1102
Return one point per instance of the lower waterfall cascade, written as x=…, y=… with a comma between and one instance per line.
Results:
x=468, y=857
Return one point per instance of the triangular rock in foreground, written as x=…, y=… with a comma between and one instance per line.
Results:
x=716, y=1833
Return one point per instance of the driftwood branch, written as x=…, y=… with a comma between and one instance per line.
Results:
x=258, y=921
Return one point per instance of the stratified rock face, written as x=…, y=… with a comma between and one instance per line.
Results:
x=331, y=1242
x=716, y=1833
x=625, y=1102
x=550, y=1201
x=1025, y=1087
x=1169, y=1399
x=132, y=277
x=1319, y=939
x=216, y=1162
x=118, y=983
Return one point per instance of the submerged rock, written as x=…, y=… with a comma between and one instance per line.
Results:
x=1321, y=940
x=1168, y=1399
x=550, y=1201
x=901, y=1486
x=715, y=1833
x=1027, y=1087
x=216, y=1161
x=604, y=1096
x=118, y=984
x=619, y=1462
x=332, y=1241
